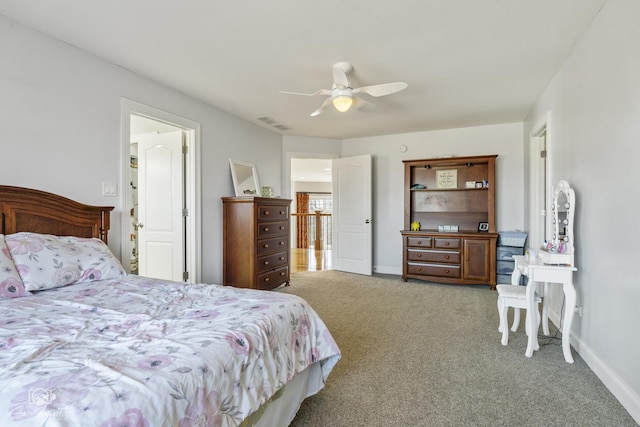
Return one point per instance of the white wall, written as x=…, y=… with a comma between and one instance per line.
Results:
x=60, y=131
x=388, y=175
x=594, y=108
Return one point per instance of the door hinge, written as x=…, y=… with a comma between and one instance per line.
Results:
x=185, y=149
x=185, y=212
x=543, y=154
x=185, y=276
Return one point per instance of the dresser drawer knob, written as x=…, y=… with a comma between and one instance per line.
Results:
x=281, y=258
x=419, y=255
x=265, y=246
x=282, y=212
x=266, y=212
x=419, y=269
x=266, y=279
x=281, y=243
x=266, y=229
x=446, y=243
x=447, y=257
x=282, y=273
x=266, y=263
x=446, y=271
x=282, y=227
x=419, y=242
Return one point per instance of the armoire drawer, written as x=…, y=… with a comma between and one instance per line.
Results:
x=446, y=243
x=421, y=242
x=452, y=271
x=422, y=255
x=269, y=262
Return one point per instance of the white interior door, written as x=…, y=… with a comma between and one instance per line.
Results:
x=160, y=206
x=352, y=233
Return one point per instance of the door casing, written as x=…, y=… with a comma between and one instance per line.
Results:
x=193, y=245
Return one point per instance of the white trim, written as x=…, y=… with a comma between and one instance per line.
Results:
x=192, y=176
x=627, y=397
x=539, y=133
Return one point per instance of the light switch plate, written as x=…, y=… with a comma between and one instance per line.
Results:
x=109, y=189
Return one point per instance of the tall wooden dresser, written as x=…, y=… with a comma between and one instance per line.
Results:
x=255, y=242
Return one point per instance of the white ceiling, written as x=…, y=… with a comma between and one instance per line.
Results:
x=467, y=62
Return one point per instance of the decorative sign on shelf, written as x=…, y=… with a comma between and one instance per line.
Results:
x=447, y=178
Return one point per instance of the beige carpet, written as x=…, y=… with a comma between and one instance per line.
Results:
x=423, y=354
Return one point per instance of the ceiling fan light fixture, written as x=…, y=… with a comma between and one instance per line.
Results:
x=342, y=103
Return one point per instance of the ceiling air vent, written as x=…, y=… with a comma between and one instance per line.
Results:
x=274, y=123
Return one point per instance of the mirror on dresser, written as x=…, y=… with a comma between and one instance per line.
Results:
x=245, y=178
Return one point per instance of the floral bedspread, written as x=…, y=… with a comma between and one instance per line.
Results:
x=141, y=352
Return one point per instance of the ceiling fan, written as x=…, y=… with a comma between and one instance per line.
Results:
x=342, y=96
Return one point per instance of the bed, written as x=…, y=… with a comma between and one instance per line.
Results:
x=82, y=343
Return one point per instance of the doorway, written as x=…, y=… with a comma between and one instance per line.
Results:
x=160, y=228
x=538, y=184
x=311, y=186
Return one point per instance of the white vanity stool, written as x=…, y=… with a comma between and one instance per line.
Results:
x=516, y=297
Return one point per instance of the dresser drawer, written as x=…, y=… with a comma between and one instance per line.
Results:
x=266, y=229
x=433, y=256
x=421, y=242
x=452, y=271
x=274, y=278
x=272, y=213
x=269, y=262
x=271, y=245
x=446, y=243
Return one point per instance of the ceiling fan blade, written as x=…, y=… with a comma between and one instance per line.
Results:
x=382, y=89
x=320, y=92
x=327, y=103
x=340, y=76
x=362, y=105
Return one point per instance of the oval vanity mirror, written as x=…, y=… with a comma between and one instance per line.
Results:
x=245, y=178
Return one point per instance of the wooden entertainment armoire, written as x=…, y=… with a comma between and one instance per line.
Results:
x=453, y=200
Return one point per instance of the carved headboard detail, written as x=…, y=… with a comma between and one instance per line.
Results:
x=26, y=209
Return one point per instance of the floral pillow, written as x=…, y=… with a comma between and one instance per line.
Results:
x=45, y=261
x=11, y=285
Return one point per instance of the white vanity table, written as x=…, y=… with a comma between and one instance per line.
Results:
x=542, y=275
x=546, y=268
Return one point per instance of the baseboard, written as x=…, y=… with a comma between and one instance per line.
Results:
x=385, y=269
x=616, y=385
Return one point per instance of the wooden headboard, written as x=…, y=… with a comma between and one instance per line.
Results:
x=25, y=209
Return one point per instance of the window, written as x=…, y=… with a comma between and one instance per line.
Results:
x=320, y=202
